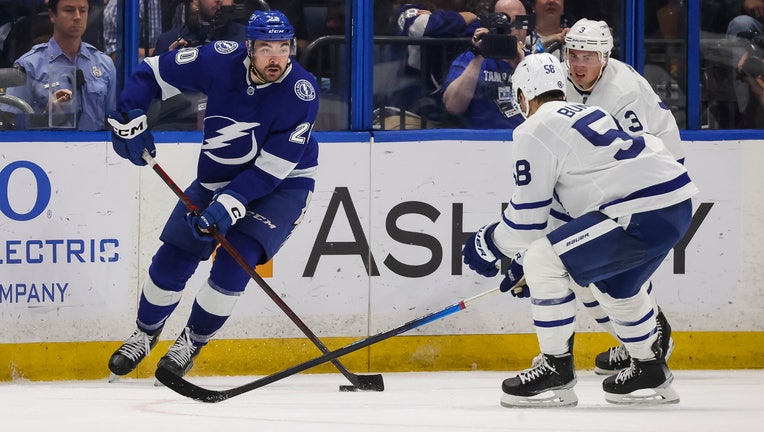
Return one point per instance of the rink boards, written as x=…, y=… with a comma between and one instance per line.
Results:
x=379, y=246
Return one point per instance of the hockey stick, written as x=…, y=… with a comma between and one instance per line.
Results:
x=372, y=382
x=185, y=388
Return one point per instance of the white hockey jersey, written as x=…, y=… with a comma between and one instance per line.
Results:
x=630, y=98
x=579, y=155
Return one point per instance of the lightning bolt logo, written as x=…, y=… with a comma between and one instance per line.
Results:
x=226, y=136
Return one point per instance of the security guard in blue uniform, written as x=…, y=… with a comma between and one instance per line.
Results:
x=70, y=80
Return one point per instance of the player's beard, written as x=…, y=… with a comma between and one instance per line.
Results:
x=267, y=74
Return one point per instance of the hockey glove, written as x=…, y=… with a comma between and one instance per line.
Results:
x=480, y=253
x=514, y=281
x=225, y=210
x=130, y=135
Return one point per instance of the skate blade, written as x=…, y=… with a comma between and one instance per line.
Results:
x=114, y=377
x=547, y=399
x=656, y=396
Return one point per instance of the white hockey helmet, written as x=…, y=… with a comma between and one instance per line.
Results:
x=590, y=35
x=536, y=75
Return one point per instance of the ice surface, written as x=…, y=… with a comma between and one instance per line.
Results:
x=412, y=402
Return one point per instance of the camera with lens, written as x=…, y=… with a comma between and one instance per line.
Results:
x=753, y=66
x=498, y=43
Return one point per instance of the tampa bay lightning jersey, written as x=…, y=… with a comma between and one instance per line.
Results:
x=579, y=155
x=256, y=137
x=630, y=98
x=493, y=103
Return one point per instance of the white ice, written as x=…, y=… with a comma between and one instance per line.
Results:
x=412, y=402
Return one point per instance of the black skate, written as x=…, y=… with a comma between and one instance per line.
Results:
x=180, y=357
x=612, y=361
x=132, y=352
x=549, y=383
x=617, y=358
x=644, y=382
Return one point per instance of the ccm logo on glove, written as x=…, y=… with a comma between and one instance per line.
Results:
x=130, y=130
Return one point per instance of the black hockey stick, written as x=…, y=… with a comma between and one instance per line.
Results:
x=185, y=388
x=372, y=382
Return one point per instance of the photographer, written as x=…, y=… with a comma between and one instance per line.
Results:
x=207, y=21
x=478, y=86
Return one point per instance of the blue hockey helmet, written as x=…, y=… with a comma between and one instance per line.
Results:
x=269, y=25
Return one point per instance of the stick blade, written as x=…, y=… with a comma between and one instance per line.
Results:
x=189, y=390
x=371, y=383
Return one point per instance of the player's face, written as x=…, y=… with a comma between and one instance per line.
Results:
x=70, y=18
x=584, y=67
x=270, y=58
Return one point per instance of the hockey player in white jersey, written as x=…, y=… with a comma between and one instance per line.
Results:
x=598, y=80
x=629, y=203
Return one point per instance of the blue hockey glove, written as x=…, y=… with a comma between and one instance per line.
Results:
x=130, y=135
x=514, y=281
x=225, y=210
x=480, y=253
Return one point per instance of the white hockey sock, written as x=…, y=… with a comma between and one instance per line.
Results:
x=633, y=319
x=553, y=304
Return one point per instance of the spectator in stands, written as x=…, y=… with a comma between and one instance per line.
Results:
x=427, y=20
x=149, y=34
x=478, y=88
x=748, y=25
x=424, y=67
x=204, y=24
x=551, y=27
x=66, y=75
x=751, y=70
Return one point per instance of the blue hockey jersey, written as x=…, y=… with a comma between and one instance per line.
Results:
x=256, y=137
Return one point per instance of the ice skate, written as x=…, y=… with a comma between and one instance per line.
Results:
x=647, y=382
x=549, y=383
x=617, y=358
x=131, y=353
x=180, y=357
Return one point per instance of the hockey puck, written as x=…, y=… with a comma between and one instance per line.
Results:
x=348, y=388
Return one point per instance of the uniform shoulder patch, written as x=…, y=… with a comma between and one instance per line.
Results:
x=304, y=90
x=226, y=47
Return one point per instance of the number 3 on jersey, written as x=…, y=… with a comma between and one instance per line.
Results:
x=583, y=126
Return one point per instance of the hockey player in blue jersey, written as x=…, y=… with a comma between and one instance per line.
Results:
x=255, y=175
x=629, y=203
